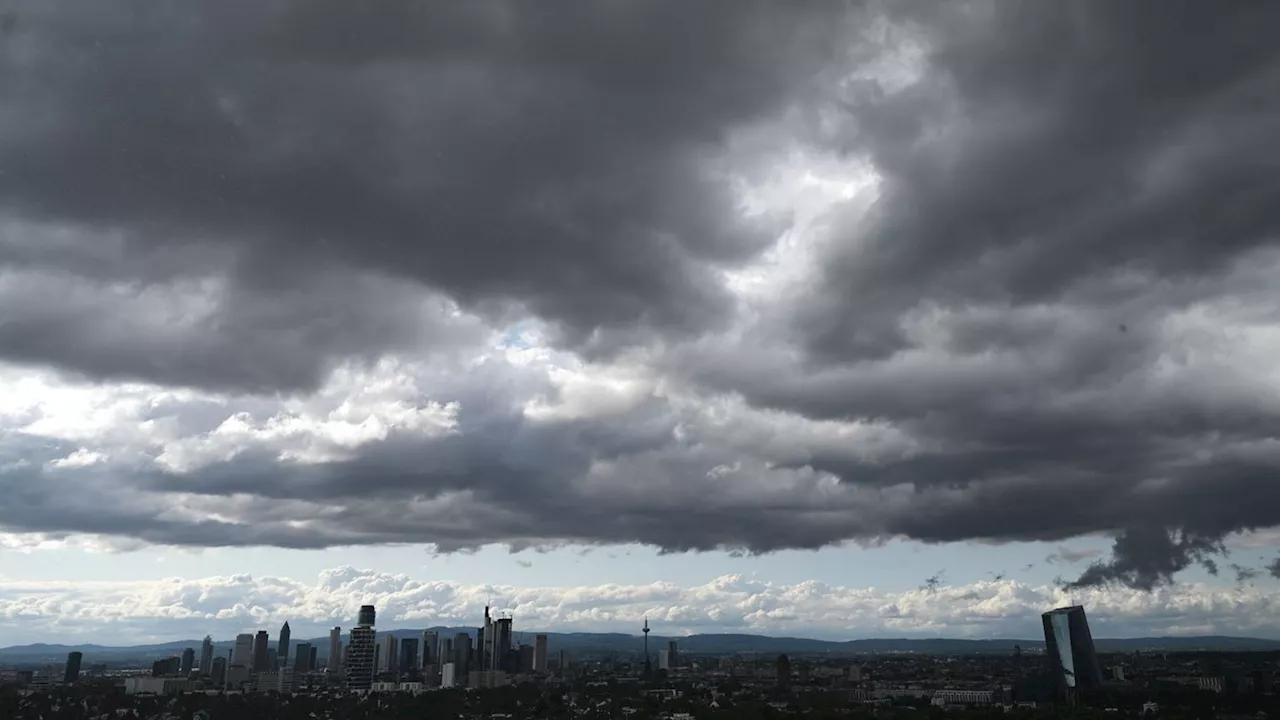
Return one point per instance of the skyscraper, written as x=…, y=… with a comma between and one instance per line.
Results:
x=430, y=648
x=282, y=651
x=188, y=661
x=388, y=654
x=408, y=655
x=526, y=659
x=540, y=653
x=335, y=649
x=206, y=656
x=302, y=658
x=72, y=673
x=242, y=655
x=484, y=642
x=502, y=644
x=673, y=654
x=461, y=654
x=311, y=661
x=218, y=672
x=261, y=660
x=1069, y=650
x=358, y=662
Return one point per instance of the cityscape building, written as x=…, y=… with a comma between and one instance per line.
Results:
x=408, y=655
x=388, y=654
x=359, y=658
x=1069, y=650
x=242, y=655
x=261, y=660
x=72, y=671
x=430, y=648
x=540, y=653
x=206, y=655
x=334, y=662
x=302, y=657
x=218, y=671
x=282, y=650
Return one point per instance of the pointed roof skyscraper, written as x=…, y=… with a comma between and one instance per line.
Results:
x=282, y=651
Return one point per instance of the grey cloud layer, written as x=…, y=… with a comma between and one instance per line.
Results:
x=1051, y=319
x=558, y=157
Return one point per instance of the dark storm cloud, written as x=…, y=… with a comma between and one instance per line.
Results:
x=1074, y=231
x=1050, y=148
x=1058, y=184
x=555, y=156
x=1151, y=556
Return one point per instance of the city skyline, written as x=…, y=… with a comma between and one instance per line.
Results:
x=830, y=320
x=940, y=610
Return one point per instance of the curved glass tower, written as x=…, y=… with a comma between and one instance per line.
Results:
x=1069, y=650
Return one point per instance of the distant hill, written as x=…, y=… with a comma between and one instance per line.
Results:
x=599, y=644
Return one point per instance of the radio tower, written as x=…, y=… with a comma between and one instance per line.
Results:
x=646, y=647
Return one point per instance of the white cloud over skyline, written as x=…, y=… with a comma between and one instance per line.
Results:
x=177, y=609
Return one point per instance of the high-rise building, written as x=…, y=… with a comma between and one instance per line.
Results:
x=273, y=660
x=302, y=657
x=664, y=660
x=408, y=655
x=673, y=654
x=311, y=661
x=484, y=644
x=261, y=660
x=335, y=649
x=502, y=644
x=358, y=661
x=461, y=654
x=784, y=672
x=188, y=661
x=72, y=673
x=1069, y=650
x=287, y=679
x=167, y=667
x=367, y=616
x=448, y=675
x=388, y=654
x=526, y=659
x=218, y=672
x=430, y=648
x=282, y=651
x=206, y=656
x=540, y=653
x=242, y=655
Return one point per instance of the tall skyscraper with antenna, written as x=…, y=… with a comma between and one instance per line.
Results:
x=647, y=668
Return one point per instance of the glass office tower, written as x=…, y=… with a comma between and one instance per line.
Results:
x=1069, y=650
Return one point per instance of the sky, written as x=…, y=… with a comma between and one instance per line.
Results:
x=843, y=319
